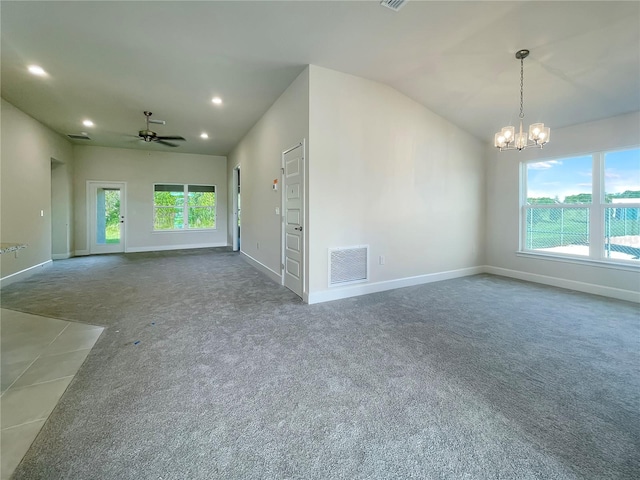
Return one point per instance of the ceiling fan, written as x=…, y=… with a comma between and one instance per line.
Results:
x=148, y=136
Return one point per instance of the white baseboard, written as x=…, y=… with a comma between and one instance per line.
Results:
x=174, y=247
x=81, y=253
x=618, y=293
x=22, y=274
x=60, y=256
x=276, y=277
x=337, y=293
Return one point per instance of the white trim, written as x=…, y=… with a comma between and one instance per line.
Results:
x=174, y=247
x=614, y=265
x=81, y=253
x=273, y=275
x=61, y=256
x=596, y=208
x=185, y=230
x=290, y=149
x=356, y=290
x=21, y=275
x=618, y=293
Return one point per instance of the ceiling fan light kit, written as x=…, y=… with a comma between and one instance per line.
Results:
x=537, y=136
x=149, y=136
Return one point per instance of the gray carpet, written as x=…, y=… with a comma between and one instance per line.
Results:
x=234, y=377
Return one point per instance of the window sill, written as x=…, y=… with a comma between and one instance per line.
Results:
x=186, y=230
x=629, y=267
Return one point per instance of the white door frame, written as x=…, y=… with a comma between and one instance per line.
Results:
x=283, y=213
x=234, y=189
x=92, y=187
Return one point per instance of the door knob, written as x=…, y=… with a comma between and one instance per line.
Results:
x=298, y=228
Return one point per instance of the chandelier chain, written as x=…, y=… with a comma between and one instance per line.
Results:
x=521, y=86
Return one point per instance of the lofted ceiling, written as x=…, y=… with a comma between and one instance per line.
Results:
x=109, y=61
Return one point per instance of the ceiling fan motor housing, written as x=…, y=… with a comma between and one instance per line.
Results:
x=151, y=136
x=147, y=135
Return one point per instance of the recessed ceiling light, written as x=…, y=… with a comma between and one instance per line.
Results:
x=204, y=135
x=37, y=70
x=216, y=100
x=87, y=123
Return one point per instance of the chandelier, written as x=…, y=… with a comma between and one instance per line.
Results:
x=507, y=138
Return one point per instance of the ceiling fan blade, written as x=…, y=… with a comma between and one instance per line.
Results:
x=171, y=137
x=169, y=144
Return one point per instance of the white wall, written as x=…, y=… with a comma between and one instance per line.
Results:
x=503, y=208
x=27, y=148
x=140, y=170
x=387, y=172
x=259, y=155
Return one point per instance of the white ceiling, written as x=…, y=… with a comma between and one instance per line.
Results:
x=109, y=61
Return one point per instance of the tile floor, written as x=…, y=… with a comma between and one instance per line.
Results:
x=39, y=358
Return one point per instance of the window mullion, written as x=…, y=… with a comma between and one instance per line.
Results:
x=523, y=208
x=185, y=207
x=596, y=211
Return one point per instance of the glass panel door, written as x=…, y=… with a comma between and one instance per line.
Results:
x=106, y=217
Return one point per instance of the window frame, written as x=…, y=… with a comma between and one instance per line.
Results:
x=596, y=214
x=185, y=208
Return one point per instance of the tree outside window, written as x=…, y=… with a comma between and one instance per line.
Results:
x=171, y=212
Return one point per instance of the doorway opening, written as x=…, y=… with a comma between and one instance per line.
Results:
x=106, y=217
x=236, y=209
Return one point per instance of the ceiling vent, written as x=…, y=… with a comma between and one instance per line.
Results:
x=78, y=136
x=394, y=5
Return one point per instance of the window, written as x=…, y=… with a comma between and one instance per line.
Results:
x=585, y=206
x=172, y=212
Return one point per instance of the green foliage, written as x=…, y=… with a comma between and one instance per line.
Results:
x=201, y=217
x=112, y=215
x=202, y=209
x=626, y=194
x=112, y=234
x=168, y=199
x=541, y=201
x=168, y=218
x=578, y=198
x=202, y=199
x=169, y=210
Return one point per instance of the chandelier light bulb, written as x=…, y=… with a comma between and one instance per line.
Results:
x=508, y=133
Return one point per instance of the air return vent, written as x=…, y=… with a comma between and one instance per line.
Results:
x=78, y=136
x=394, y=5
x=348, y=265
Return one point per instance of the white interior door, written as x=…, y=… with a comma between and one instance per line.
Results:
x=293, y=168
x=106, y=222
